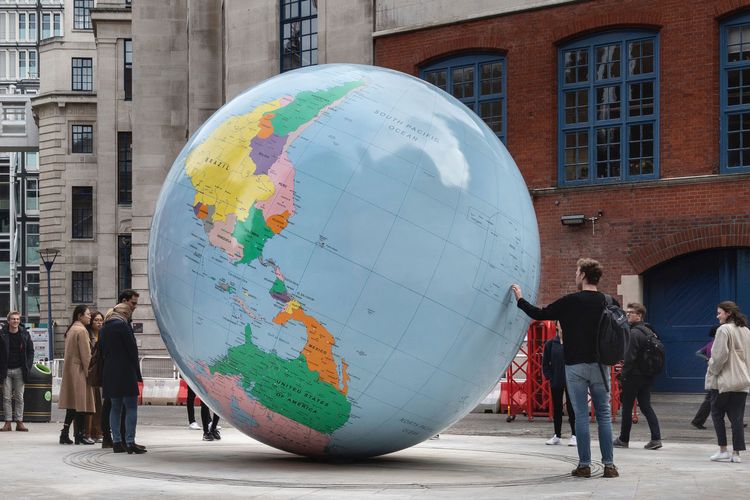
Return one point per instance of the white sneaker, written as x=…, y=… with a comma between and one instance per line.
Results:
x=194, y=426
x=553, y=440
x=573, y=441
x=736, y=459
x=721, y=456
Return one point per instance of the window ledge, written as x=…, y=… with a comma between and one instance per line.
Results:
x=669, y=181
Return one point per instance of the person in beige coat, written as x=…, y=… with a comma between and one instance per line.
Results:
x=728, y=379
x=76, y=396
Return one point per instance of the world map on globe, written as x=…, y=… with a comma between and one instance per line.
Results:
x=330, y=261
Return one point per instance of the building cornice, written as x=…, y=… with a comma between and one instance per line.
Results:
x=62, y=98
x=109, y=15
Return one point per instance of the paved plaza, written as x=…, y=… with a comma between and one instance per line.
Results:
x=482, y=456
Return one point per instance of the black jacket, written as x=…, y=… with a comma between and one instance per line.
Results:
x=553, y=363
x=27, y=352
x=121, y=371
x=579, y=315
x=639, y=333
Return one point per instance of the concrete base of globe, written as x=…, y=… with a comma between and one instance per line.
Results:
x=180, y=464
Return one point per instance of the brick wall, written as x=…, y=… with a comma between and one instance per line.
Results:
x=644, y=223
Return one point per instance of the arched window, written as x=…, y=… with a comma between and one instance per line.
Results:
x=478, y=81
x=608, y=108
x=735, y=95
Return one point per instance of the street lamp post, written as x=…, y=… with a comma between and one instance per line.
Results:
x=48, y=256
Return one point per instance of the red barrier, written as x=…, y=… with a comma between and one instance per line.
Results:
x=182, y=395
x=525, y=389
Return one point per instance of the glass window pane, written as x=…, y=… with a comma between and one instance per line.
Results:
x=32, y=243
x=576, y=66
x=491, y=78
x=641, y=57
x=608, y=103
x=608, y=62
x=82, y=217
x=640, y=149
x=576, y=106
x=641, y=99
x=491, y=113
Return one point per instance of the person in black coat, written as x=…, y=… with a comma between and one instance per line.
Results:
x=16, y=360
x=635, y=384
x=553, y=368
x=120, y=376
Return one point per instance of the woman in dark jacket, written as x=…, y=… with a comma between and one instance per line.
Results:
x=120, y=376
x=553, y=368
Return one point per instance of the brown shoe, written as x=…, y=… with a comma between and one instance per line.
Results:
x=6, y=427
x=610, y=471
x=581, y=471
x=21, y=428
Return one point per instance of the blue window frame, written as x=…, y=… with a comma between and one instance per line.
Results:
x=299, y=33
x=478, y=81
x=608, y=109
x=735, y=95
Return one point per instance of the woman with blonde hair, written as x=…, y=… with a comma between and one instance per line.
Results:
x=76, y=396
x=728, y=379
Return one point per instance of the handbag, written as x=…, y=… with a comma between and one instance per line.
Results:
x=735, y=377
x=94, y=375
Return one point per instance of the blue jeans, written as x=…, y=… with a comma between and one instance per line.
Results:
x=131, y=418
x=581, y=379
x=13, y=392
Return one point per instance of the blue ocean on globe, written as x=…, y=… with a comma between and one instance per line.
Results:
x=331, y=256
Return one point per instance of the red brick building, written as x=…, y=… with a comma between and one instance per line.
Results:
x=635, y=113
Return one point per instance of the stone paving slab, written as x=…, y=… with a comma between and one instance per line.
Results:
x=180, y=465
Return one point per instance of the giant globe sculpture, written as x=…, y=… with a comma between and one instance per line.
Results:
x=330, y=261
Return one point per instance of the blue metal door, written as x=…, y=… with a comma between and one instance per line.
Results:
x=681, y=297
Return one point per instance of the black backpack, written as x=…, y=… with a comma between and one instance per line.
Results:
x=651, y=357
x=613, y=334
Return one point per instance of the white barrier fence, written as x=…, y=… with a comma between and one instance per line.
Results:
x=161, y=381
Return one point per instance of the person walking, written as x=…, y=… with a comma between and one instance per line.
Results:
x=76, y=396
x=636, y=383
x=553, y=369
x=16, y=359
x=579, y=315
x=120, y=376
x=728, y=379
x=704, y=410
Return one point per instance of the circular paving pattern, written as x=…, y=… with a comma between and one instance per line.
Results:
x=415, y=468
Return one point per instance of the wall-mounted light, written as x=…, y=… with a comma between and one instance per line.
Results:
x=580, y=219
x=573, y=220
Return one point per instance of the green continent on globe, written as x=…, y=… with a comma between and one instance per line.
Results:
x=286, y=386
x=306, y=106
x=252, y=234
